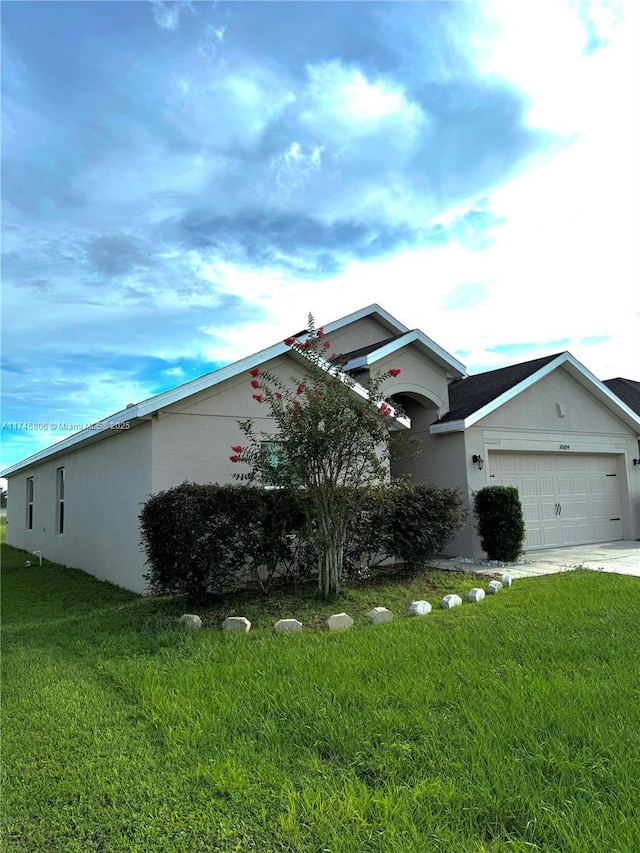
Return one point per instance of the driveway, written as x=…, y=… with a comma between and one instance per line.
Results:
x=620, y=557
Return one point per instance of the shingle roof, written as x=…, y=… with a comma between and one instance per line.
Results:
x=627, y=389
x=472, y=393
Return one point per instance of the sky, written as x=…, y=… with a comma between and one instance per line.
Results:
x=182, y=183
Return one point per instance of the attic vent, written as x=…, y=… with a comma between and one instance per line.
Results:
x=130, y=406
x=561, y=409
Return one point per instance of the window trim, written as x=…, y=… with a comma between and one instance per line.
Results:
x=60, y=484
x=29, y=503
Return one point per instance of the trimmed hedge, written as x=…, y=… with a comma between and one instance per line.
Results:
x=500, y=522
x=207, y=538
x=203, y=539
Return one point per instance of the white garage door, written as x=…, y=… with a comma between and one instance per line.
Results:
x=567, y=498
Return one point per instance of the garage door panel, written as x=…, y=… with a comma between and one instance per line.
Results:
x=572, y=499
x=546, y=487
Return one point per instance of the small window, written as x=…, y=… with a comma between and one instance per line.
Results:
x=272, y=451
x=60, y=500
x=29, y=503
x=270, y=448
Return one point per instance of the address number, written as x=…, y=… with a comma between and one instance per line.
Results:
x=565, y=446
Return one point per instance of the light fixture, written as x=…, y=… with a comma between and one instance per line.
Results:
x=479, y=461
x=636, y=461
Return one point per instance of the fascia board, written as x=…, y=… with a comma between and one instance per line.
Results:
x=367, y=312
x=210, y=380
x=449, y=426
x=98, y=430
x=435, y=351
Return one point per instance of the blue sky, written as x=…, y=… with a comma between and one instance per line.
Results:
x=184, y=182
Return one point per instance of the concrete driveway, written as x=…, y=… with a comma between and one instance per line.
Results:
x=620, y=557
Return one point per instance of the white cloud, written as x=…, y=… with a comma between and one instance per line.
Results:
x=342, y=106
x=167, y=14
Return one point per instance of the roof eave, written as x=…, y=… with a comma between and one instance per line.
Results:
x=575, y=369
x=454, y=368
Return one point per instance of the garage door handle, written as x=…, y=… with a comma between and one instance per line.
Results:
x=559, y=509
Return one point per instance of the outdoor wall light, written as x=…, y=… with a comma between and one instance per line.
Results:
x=479, y=461
x=636, y=461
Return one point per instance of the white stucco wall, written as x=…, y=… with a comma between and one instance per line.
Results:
x=192, y=439
x=105, y=485
x=361, y=333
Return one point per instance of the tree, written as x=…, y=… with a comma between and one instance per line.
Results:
x=3, y=498
x=331, y=438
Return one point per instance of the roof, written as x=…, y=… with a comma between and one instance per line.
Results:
x=468, y=395
x=142, y=411
x=628, y=390
x=475, y=397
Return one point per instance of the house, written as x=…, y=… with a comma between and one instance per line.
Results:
x=547, y=426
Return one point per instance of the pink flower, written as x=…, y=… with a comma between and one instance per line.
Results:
x=258, y=397
x=255, y=383
x=326, y=344
x=237, y=448
x=255, y=371
x=385, y=410
x=333, y=355
x=300, y=422
x=319, y=396
x=289, y=341
x=299, y=390
x=395, y=371
x=278, y=395
x=306, y=345
x=320, y=332
x=234, y=458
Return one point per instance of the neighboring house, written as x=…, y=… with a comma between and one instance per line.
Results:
x=547, y=426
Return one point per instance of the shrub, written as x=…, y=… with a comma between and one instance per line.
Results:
x=208, y=538
x=500, y=522
x=423, y=520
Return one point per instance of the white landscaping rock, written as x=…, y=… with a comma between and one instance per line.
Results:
x=236, y=623
x=494, y=587
x=476, y=594
x=507, y=580
x=419, y=608
x=190, y=620
x=339, y=622
x=283, y=626
x=450, y=601
x=380, y=615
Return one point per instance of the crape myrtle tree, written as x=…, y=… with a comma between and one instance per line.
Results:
x=331, y=437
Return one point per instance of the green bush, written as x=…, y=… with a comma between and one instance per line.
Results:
x=423, y=520
x=210, y=538
x=500, y=522
x=203, y=539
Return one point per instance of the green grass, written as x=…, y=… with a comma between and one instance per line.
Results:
x=510, y=725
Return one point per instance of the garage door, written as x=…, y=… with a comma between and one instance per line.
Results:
x=567, y=498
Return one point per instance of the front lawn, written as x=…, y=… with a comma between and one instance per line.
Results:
x=509, y=725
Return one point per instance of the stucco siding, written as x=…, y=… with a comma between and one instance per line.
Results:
x=361, y=333
x=537, y=409
x=105, y=486
x=419, y=375
x=192, y=440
